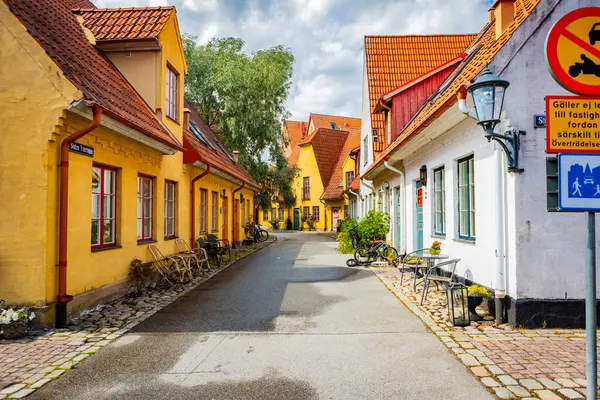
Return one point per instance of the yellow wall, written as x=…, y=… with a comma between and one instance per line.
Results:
x=307, y=164
x=28, y=116
x=139, y=67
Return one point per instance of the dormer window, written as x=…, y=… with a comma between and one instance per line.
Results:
x=172, y=94
x=333, y=125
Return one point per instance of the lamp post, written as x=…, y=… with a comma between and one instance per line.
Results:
x=488, y=97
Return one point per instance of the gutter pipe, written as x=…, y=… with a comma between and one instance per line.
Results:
x=324, y=212
x=402, y=205
x=235, y=217
x=193, y=207
x=63, y=298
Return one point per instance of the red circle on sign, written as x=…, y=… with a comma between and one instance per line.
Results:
x=558, y=72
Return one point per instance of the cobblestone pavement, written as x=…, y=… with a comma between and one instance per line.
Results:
x=546, y=364
x=29, y=363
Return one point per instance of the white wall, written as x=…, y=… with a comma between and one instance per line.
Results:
x=365, y=132
x=549, y=246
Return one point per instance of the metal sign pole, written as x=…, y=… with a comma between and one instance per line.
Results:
x=590, y=308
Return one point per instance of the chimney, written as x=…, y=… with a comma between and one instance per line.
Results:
x=236, y=156
x=302, y=129
x=186, y=118
x=491, y=15
x=504, y=10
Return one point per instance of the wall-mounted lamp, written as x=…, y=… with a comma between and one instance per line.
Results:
x=423, y=175
x=375, y=135
x=488, y=97
x=223, y=193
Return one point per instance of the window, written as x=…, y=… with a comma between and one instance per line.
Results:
x=104, y=206
x=306, y=188
x=316, y=213
x=466, y=198
x=172, y=95
x=169, y=209
x=333, y=125
x=145, y=196
x=273, y=214
x=439, y=201
x=349, y=178
x=306, y=212
x=215, y=210
x=346, y=212
x=281, y=214
x=203, y=209
x=248, y=211
x=365, y=150
x=265, y=215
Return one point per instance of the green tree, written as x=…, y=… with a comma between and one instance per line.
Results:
x=241, y=96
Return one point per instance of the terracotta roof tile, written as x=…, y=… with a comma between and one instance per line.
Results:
x=214, y=153
x=392, y=61
x=487, y=46
x=56, y=29
x=293, y=131
x=342, y=123
x=293, y=158
x=355, y=183
x=125, y=23
x=333, y=191
x=327, y=145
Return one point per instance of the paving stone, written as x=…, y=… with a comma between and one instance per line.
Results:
x=468, y=360
x=81, y=357
x=56, y=373
x=549, y=383
x=12, y=388
x=476, y=353
x=570, y=394
x=531, y=384
x=567, y=383
x=495, y=370
x=547, y=395
x=40, y=383
x=490, y=382
x=507, y=380
x=504, y=393
x=67, y=365
x=580, y=381
x=22, y=393
x=519, y=391
x=480, y=371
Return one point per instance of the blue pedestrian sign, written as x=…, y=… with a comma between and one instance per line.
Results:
x=579, y=182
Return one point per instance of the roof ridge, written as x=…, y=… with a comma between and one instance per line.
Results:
x=420, y=35
x=154, y=8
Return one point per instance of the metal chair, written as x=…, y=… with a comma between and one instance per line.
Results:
x=197, y=255
x=408, y=265
x=439, y=273
x=172, y=266
x=223, y=244
x=211, y=249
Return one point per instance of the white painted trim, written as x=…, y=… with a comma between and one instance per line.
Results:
x=79, y=108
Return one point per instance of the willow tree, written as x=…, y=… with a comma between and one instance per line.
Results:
x=241, y=96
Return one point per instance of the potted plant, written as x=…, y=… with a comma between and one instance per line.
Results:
x=436, y=248
x=15, y=323
x=476, y=295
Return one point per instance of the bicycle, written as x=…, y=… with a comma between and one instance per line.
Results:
x=257, y=233
x=376, y=251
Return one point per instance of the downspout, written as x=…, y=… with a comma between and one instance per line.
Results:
x=402, y=206
x=324, y=214
x=193, y=207
x=357, y=201
x=233, y=243
x=63, y=298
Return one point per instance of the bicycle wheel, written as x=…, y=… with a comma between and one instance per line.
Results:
x=262, y=235
x=362, y=256
x=351, y=262
x=390, y=253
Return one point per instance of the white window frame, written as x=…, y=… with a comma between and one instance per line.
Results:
x=466, y=198
x=438, y=207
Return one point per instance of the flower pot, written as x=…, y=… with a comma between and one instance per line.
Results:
x=473, y=302
x=435, y=252
x=15, y=330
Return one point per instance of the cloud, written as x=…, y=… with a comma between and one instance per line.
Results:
x=326, y=36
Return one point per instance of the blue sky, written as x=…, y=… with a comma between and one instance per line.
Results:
x=326, y=36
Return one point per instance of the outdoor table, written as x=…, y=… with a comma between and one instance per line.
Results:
x=430, y=260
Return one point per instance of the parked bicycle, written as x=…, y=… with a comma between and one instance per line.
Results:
x=257, y=233
x=376, y=251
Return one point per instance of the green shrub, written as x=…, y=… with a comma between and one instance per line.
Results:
x=375, y=225
x=345, y=243
x=274, y=223
x=478, y=289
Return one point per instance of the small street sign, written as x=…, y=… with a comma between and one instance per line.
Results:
x=81, y=149
x=573, y=51
x=539, y=121
x=573, y=124
x=579, y=182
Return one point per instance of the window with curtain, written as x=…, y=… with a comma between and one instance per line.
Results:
x=349, y=178
x=145, y=196
x=172, y=94
x=203, y=209
x=104, y=206
x=170, y=192
x=306, y=188
x=466, y=198
x=214, y=210
x=316, y=213
x=439, y=201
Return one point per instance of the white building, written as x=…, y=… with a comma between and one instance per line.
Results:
x=535, y=255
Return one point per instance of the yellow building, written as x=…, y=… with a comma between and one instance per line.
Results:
x=92, y=167
x=321, y=154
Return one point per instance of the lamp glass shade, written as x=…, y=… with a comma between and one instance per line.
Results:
x=488, y=101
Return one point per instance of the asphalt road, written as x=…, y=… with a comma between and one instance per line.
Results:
x=289, y=322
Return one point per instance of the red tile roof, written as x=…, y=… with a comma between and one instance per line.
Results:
x=125, y=23
x=293, y=130
x=342, y=123
x=56, y=29
x=294, y=155
x=215, y=154
x=355, y=183
x=486, y=46
x=327, y=145
x=392, y=61
x=333, y=191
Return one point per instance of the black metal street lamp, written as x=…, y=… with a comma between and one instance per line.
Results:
x=488, y=97
x=423, y=175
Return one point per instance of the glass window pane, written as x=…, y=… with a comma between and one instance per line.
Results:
x=147, y=187
x=108, y=182
x=109, y=206
x=139, y=228
x=147, y=228
x=95, y=206
x=109, y=231
x=139, y=207
x=95, y=232
x=139, y=187
x=147, y=208
x=96, y=179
